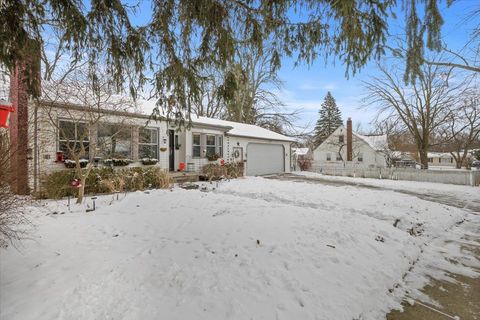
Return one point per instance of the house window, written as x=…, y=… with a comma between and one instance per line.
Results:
x=148, y=143
x=430, y=159
x=114, y=141
x=71, y=136
x=339, y=157
x=340, y=139
x=360, y=157
x=329, y=157
x=196, y=145
x=211, y=145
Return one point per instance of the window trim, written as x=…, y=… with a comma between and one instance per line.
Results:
x=75, y=123
x=156, y=144
x=214, y=145
x=199, y=145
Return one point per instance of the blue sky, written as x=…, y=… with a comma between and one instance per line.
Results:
x=305, y=87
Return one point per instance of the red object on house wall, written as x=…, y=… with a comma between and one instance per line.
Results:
x=181, y=166
x=5, y=111
x=59, y=157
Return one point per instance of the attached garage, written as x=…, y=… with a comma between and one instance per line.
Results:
x=263, y=158
x=260, y=150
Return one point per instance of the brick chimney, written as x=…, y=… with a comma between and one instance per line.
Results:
x=22, y=87
x=349, y=140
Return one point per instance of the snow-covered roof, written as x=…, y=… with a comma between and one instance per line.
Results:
x=242, y=129
x=377, y=142
x=439, y=155
x=300, y=151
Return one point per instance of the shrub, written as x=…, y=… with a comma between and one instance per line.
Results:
x=117, y=162
x=13, y=220
x=213, y=157
x=215, y=171
x=304, y=163
x=105, y=180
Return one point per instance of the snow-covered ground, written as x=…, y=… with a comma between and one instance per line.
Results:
x=465, y=193
x=247, y=249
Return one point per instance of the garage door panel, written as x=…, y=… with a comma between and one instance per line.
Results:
x=265, y=159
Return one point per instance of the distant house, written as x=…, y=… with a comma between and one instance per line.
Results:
x=345, y=146
x=441, y=159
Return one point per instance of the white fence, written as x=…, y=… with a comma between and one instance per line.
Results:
x=460, y=177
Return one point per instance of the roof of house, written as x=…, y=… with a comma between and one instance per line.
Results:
x=242, y=129
x=377, y=142
x=230, y=127
x=300, y=151
x=439, y=155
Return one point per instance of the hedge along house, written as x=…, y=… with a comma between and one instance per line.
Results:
x=118, y=138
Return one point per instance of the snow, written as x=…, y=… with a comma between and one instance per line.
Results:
x=242, y=129
x=465, y=193
x=248, y=249
x=300, y=151
x=376, y=142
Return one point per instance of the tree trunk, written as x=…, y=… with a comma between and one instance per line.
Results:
x=81, y=191
x=423, y=158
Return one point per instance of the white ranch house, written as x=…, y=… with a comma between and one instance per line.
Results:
x=133, y=136
x=345, y=146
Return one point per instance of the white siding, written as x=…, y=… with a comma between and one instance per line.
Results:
x=332, y=146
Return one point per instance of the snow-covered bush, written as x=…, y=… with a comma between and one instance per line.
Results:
x=149, y=161
x=71, y=163
x=117, y=162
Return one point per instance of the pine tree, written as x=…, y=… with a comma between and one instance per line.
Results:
x=330, y=119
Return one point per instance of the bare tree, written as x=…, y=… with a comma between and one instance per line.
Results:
x=466, y=58
x=246, y=92
x=421, y=107
x=74, y=106
x=462, y=129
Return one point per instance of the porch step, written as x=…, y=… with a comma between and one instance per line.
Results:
x=182, y=177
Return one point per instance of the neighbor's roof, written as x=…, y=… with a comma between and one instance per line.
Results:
x=439, y=155
x=242, y=129
x=377, y=142
x=300, y=151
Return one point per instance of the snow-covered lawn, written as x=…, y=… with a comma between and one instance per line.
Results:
x=247, y=249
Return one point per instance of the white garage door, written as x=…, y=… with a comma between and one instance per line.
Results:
x=265, y=159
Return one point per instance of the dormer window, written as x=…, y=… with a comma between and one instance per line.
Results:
x=340, y=139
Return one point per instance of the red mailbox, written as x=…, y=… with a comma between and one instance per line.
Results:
x=181, y=167
x=5, y=111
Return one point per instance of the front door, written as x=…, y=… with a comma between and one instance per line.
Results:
x=171, y=149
